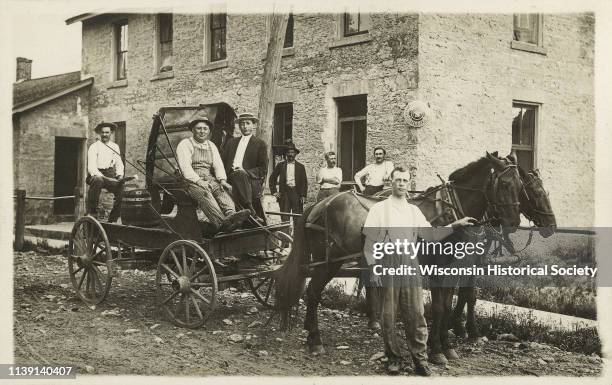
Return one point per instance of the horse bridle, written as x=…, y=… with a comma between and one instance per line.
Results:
x=535, y=179
x=490, y=187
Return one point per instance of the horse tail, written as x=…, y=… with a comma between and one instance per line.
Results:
x=290, y=279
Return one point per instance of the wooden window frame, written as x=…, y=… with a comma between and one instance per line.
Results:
x=348, y=179
x=537, y=47
x=209, y=64
x=534, y=147
x=118, y=32
x=158, y=73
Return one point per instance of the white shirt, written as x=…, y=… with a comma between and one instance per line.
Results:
x=99, y=155
x=392, y=219
x=291, y=174
x=242, y=145
x=375, y=173
x=328, y=173
x=184, y=153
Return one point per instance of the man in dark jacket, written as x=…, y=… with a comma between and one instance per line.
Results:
x=293, y=185
x=246, y=164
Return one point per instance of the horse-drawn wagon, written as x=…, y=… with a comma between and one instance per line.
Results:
x=160, y=223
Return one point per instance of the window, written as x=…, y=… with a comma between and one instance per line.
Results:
x=164, y=35
x=527, y=32
x=351, y=28
x=121, y=50
x=355, y=24
x=217, y=36
x=283, y=128
x=352, y=131
x=524, y=125
x=289, y=33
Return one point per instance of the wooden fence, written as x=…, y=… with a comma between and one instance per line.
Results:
x=20, y=210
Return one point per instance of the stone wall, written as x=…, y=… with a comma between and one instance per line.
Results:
x=470, y=75
x=34, y=151
x=384, y=68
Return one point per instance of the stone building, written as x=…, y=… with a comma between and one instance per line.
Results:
x=492, y=82
x=49, y=133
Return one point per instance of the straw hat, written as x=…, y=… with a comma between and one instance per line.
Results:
x=417, y=114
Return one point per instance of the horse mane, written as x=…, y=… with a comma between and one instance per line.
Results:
x=468, y=171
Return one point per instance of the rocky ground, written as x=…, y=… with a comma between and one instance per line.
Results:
x=127, y=334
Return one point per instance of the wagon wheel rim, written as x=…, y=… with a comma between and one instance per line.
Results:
x=186, y=284
x=90, y=261
x=262, y=287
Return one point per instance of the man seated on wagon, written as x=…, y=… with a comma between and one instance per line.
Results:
x=203, y=170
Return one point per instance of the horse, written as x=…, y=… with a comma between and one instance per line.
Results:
x=329, y=233
x=535, y=206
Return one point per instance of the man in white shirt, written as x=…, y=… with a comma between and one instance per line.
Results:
x=329, y=178
x=105, y=170
x=375, y=174
x=387, y=221
x=203, y=169
x=246, y=164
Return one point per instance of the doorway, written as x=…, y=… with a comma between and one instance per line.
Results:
x=66, y=173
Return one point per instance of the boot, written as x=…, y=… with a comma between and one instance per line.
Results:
x=233, y=221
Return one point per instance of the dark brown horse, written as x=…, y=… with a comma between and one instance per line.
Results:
x=536, y=207
x=331, y=230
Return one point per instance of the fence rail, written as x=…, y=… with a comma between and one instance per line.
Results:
x=21, y=197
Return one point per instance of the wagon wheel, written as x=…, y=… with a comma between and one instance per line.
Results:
x=90, y=261
x=186, y=284
x=263, y=286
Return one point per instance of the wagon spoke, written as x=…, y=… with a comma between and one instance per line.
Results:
x=169, y=270
x=94, y=278
x=176, y=261
x=201, y=284
x=269, y=291
x=171, y=296
x=199, y=295
x=187, y=315
x=82, y=279
x=79, y=269
x=186, y=271
x=177, y=306
x=263, y=281
x=98, y=273
x=87, y=283
x=197, y=308
x=193, y=263
x=98, y=263
x=196, y=275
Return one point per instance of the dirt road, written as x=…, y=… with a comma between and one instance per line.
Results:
x=128, y=335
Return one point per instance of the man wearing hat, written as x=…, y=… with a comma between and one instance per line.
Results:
x=293, y=185
x=105, y=170
x=246, y=163
x=202, y=167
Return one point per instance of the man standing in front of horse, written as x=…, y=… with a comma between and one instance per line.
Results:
x=387, y=221
x=290, y=175
x=375, y=174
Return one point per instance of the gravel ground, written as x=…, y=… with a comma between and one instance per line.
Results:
x=127, y=334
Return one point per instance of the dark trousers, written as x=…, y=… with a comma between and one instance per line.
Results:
x=371, y=190
x=246, y=191
x=290, y=201
x=326, y=192
x=108, y=182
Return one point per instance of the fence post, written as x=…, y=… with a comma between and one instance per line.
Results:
x=77, y=203
x=20, y=218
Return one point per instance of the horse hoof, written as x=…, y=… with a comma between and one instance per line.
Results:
x=438, y=359
x=374, y=325
x=461, y=333
x=451, y=354
x=317, y=350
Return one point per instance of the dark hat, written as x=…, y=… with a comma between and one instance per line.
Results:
x=289, y=145
x=112, y=126
x=247, y=116
x=197, y=117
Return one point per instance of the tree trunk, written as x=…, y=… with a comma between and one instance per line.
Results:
x=270, y=75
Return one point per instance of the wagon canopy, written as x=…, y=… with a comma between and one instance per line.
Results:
x=170, y=126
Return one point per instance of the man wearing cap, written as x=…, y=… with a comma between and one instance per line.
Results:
x=375, y=174
x=246, y=163
x=293, y=185
x=202, y=167
x=105, y=170
x=329, y=177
